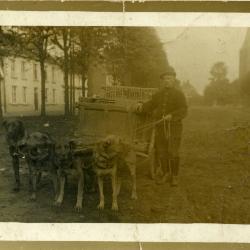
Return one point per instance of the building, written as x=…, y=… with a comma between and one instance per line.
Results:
x=244, y=63
x=21, y=87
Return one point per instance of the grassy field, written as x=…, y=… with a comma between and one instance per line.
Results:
x=214, y=179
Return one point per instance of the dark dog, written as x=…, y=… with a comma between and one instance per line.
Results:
x=15, y=132
x=70, y=158
x=38, y=149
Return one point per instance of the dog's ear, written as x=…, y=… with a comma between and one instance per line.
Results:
x=72, y=144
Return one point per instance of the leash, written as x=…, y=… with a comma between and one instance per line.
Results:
x=150, y=125
x=167, y=129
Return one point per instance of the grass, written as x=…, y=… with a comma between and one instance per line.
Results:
x=214, y=178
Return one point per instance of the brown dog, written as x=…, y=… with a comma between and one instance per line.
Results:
x=38, y=149
x=69, y=158
x=111, y=154
x=15, y=132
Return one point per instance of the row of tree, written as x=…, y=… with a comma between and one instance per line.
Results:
x=132, y=56
x=220, y=91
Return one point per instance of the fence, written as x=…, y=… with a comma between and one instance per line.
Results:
x=128, y=93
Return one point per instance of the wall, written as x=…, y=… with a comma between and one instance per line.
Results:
x=20, y=73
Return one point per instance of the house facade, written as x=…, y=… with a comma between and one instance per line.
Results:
x=244, y=63
x=21, y=87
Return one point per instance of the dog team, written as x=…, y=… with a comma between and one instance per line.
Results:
x=60, y=159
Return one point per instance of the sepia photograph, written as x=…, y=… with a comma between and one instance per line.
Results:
x=124, y=124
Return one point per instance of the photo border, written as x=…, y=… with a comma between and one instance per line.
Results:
x=165, y=13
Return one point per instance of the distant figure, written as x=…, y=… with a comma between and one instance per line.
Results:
x=169, y=105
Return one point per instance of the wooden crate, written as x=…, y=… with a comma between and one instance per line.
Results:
x=99, y=118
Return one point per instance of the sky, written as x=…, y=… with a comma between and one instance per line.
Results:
x=193, y=51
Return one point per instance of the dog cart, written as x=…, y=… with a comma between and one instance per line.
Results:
x=99, y=117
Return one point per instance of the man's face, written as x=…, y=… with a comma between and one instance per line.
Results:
x=168, y=81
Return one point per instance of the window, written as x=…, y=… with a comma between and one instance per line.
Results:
x=14, y=90
x=46, y=95
x=23, y=69
x=13, y=68
x=54, y=96
x=35, y=72
x=25, y=95
x=53, y=74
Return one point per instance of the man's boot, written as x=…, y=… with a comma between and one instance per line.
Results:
x=175, y=170
x=166, y=171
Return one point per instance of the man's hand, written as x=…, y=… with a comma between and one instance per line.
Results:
x=167, y=117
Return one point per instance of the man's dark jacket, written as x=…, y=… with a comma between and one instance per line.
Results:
x=164, y=102
x=167, y=101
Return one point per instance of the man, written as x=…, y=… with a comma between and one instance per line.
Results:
x=168, y=106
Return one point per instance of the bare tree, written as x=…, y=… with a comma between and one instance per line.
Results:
x=35, y=44
x=89, y=42
x=1, y=81
x=62, y=39
x=83, y=42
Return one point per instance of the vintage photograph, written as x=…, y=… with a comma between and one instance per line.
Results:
x=124, y=124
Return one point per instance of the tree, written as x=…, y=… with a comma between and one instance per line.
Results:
x=135, y=56
x=8, y=47
x=81, y=49
x=2, y=54
x=83, y=52
x=132, y=56
x=62, y=39
x=88, y=53
x=1, y=80
x=34, y=43
x=218, y=90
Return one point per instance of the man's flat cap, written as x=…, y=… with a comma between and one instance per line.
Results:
x=169, y=72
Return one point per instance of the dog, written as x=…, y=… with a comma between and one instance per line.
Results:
x=111, y=154
x=15, y=132
x=39, y=151
x=69, y=158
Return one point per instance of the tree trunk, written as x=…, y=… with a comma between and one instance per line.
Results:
x=1, y=81
x=1, y=108
x=66, y=82
x=43, y=108
x=71, y=93
x=83, y=84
